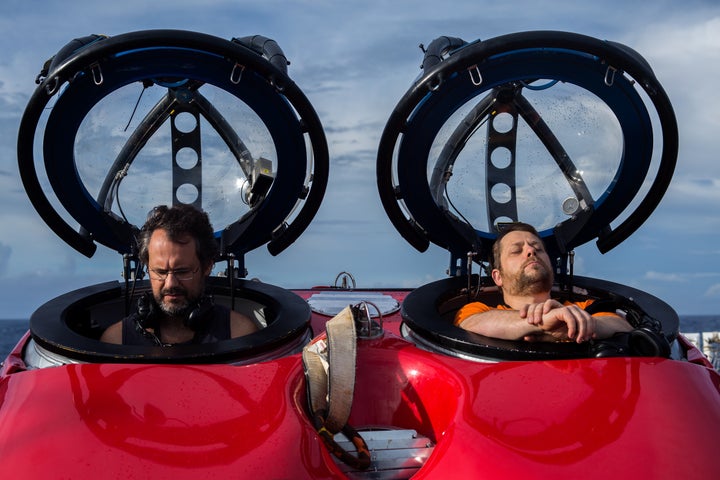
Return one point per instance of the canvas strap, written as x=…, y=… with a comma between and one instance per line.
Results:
x=330, y=372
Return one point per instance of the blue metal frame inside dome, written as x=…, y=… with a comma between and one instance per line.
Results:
x=140, y=56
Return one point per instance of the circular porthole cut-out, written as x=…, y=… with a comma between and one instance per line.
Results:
x=501, y=157
x=187, y=193
x=186, y=158
x=185, y=122
x=503, y=122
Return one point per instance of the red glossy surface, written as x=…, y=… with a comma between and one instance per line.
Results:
x=155, y=421
x=594, y=418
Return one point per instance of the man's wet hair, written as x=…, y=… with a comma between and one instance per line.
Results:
x=504, y=229
x=180, y=221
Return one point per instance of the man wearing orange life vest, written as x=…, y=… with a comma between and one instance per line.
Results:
x=522, y=270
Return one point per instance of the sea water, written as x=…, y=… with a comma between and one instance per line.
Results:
x=10, y=333
x=12, y=330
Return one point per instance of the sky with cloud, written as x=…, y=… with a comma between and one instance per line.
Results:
x=354, y=61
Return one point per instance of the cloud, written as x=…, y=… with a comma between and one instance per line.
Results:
x=664, y=277
x=679, y=277
x=713, y=291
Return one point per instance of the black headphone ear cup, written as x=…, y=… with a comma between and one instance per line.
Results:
x=146, y=310
x=197, y=316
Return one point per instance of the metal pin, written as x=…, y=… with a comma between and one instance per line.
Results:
x=97, y=74
x=476, y=81
x=236, y=74
x=610, y=75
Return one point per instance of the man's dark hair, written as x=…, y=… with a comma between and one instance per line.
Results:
x=179, y=221
x=504, y=230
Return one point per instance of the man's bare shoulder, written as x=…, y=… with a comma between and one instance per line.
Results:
x=241, y=325
x=112, y=334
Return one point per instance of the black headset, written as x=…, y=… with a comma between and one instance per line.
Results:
x=148, y=312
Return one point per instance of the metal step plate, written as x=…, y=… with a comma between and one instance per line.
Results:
x=395, y=454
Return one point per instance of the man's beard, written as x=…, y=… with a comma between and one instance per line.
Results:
x=175, y=309
x=538, y=280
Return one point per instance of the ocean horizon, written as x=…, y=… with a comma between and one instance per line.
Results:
x=11, y=330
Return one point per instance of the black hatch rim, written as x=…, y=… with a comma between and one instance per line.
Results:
x=58, y=326
x=429, y=312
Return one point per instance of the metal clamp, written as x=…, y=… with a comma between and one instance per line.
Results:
x=366, y=326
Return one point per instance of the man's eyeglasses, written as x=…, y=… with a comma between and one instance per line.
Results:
x=182, y=274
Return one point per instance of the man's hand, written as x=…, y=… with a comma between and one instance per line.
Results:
x=559, y=321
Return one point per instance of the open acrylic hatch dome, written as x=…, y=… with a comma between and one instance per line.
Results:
x=568, y=133
x=119, y=125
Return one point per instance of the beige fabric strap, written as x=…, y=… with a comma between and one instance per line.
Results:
x=330, y=371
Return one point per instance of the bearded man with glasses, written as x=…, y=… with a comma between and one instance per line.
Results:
x=178, y=246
